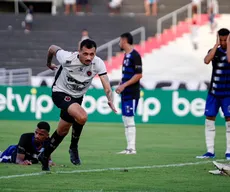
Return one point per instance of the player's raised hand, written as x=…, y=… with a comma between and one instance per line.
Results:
x=228, y=39
x=52, y=66
x=217, y=39
x=111, y=105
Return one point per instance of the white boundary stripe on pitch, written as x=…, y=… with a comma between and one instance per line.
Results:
x=108, y=169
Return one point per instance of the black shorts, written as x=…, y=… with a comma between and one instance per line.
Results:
x=82, y=2
x=63, y=101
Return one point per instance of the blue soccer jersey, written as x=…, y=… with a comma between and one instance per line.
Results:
x=219, y=90
x=132, y=65
x=220, y=80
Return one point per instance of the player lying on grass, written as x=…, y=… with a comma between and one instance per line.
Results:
x=29, y=146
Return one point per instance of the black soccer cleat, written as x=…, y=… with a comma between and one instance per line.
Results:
x=74, y=156
x=44, y=161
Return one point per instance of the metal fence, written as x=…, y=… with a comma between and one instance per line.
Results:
x=15, y=76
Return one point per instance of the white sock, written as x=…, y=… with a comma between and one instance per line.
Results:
x=210, y=133
x=130, y=132
x=127, y=137
x=132, y=137
x=227, y=136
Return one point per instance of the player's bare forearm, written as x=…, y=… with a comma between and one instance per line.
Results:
x=107, y=88
x=228, y=48
x=228, y=53
x=209, y=57
x=133, y=80
x=51, y=52
x=20, y=159
x=109, y=94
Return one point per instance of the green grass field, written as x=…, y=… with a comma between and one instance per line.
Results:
x=172, y=146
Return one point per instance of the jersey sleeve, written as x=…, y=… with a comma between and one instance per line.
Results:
x=63, y=56
x=23, y=142
x=137, y=64
x=101, y=68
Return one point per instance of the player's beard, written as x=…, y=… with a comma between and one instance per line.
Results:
x=121, y=49
x=88, y=62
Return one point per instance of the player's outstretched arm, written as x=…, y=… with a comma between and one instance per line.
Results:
x=108, y=91
x=20, y=160
x=52, y=52
x=228, y=48
x=209, y=57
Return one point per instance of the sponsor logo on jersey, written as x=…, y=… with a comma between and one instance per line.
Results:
x=89, y=73
x=80, y=69
x=67, y=98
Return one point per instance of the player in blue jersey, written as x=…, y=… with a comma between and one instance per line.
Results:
x=219, y=93
x=129, y=88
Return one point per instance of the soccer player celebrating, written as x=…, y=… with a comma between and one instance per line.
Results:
x=72, y=81
x=219, y=92
x=29, y=146
x=129, y=88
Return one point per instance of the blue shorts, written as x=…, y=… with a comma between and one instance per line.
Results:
x=9, y=155
x=151, y=1
x=129, y=107
x=213, y=105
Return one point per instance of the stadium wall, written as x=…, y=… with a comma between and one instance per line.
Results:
x=156, y=106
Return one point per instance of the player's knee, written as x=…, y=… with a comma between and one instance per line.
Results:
x=211, y=118
x=81, y=119
x=128, y=121
x=209, y=124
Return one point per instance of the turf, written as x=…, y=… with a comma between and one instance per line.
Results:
x=156, y=145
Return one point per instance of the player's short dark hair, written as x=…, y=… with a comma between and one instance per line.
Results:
x=44, y=125
x=223, y=32
x=88, y=43
x=129, y=37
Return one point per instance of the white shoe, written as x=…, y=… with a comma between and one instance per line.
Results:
x=226, y=170
x=219, y=166
x=131, y=152
x=123, y=152
x=217, y=172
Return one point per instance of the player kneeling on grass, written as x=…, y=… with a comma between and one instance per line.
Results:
x=28, y=148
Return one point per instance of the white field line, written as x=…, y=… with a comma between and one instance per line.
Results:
x=108, y=169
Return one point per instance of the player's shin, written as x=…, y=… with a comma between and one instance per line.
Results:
x=210, y=135
x=130, y=132
x=126, y=131
x=76, y=132
x=55, y=140
x=227, y=136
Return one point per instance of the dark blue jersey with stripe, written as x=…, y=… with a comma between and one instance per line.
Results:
x=132, y=65
x=26, y=146
x=220, y=80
